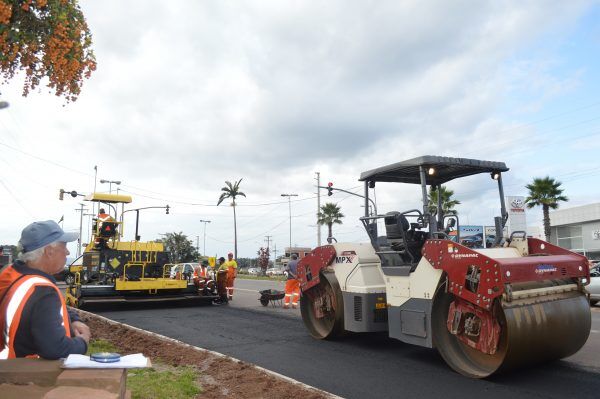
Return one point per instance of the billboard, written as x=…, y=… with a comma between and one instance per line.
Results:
x=471, y=236
x=490, y=235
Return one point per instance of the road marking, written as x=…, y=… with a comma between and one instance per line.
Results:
x=244, y=289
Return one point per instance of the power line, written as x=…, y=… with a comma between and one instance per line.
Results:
x=44, y=160
x=16, y=199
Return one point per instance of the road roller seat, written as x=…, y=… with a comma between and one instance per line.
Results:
x=393, y=250
x=396, y=225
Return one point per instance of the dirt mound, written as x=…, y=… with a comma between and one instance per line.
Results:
x=222, y=377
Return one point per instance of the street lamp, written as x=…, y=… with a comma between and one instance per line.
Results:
x=204, y=221
x=110, y=183
x=289, y=197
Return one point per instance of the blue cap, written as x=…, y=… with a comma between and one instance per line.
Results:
x=40, y=234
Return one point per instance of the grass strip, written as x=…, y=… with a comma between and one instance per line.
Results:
x=251, y=277
x=159, y=382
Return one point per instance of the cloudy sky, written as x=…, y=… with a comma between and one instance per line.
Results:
x=188, y=95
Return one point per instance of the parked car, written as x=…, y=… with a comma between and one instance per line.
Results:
x=254, y=271
x=187, y=268
x=62, y=275
x=594, y=287
x=275, y=271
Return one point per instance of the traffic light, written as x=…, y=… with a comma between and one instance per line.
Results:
x=167, y=209
x=61, y=194
x=329, y=188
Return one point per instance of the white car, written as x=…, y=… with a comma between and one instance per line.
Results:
x=253, y=271
x=594, y=287
x=274, y=271
x=187, y=268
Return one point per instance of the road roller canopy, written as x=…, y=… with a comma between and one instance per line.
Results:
x=108, y=198
x=438, y=170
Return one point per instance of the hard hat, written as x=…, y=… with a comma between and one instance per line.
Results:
x=230, y=254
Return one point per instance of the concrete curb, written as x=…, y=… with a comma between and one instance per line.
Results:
x=272, y=373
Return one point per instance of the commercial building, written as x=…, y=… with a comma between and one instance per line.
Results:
x=301, y=252
x=577, y=229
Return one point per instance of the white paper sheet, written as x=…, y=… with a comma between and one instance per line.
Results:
x=136, y=360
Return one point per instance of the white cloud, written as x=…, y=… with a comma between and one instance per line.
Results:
x=189, y=94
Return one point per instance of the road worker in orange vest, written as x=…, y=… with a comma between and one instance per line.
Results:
x=34, y=320
x=292, y=285
x=231, y=266
x=103, y=216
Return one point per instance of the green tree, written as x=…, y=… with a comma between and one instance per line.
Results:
x=179, y=247
x=263, y=259
x=330, y=214
x=46, y=39
x=448, y=203
x=245, y=262
x=545, y=192
x=232, y=191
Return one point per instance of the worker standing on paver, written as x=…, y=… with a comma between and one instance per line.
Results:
x=231, y=266
x=292, y=285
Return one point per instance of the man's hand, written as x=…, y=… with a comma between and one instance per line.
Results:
x=81, y=330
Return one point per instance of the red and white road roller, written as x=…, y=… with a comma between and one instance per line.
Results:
x=520, y=301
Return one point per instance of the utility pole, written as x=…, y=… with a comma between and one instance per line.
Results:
x=95, y=181
x=89, y=225
x=197, y=243
x=275, y=254
x=204, y=221
x=81, y=209
x=318, y=179
x=289, y=197
x=268, y=239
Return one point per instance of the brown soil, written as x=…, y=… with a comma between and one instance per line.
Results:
x=221, y=377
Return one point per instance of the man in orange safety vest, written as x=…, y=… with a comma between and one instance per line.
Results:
x=231, y=267
x=292, y=285
x=34, y=320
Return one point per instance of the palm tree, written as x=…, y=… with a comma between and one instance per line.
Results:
x=448, y=203
x=232, y=191
x=330, y=214
x=545, y=192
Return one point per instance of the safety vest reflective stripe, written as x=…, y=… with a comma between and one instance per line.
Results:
x=12, y=308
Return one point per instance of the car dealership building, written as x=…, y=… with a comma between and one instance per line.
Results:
x=577, y=229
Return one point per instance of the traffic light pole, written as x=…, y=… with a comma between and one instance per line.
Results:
x=351, y=193
x=318, y=178
x=137, y=216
